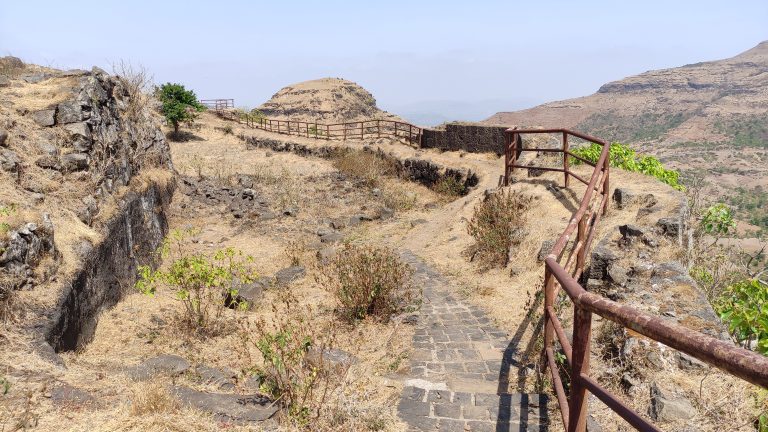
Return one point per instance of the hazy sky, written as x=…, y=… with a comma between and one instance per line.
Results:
x=449, y=58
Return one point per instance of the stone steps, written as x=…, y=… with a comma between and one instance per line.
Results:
x=461, y=367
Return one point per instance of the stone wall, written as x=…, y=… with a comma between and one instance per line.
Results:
x=465, y=136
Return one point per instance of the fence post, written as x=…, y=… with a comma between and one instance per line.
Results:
x=565, y=158
x=345, y=131
x=507, y=149
x=361, y=130
x=378, y=128
x=549, y=301
x=581, y=237
x=578, y=400
x=606, y=188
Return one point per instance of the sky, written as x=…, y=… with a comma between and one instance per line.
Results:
x=425, y=60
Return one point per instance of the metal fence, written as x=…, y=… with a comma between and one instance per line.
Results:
x=337, y=131
x=563, y=269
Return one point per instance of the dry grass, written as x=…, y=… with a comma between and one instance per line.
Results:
x=497, y=225
x=366, y=166
x=152, y=398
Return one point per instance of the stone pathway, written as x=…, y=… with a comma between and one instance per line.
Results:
x=460, y=368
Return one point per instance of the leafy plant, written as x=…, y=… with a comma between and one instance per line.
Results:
x=179, y=105
x=624, y=157
x=368, y=281
x=201, y=283
x=293, y=367
x=496, y=226
x=6, y=211
x=744, y=308
x=718, y=220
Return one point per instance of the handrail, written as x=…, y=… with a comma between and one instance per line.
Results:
x=737, y=361
x=357, y=129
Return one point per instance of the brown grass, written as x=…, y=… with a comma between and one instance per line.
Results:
x=497, y=225
x=366, y=166
x=152, y=398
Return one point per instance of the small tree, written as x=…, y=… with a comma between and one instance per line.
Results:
x=179, y=104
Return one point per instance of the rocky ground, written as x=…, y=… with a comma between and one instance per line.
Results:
x=462, y=358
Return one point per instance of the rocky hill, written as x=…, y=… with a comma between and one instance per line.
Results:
x=325, y=100
x=694, y=117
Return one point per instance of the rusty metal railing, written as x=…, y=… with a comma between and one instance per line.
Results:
x=218, y=104
x=563, y=271
x=359, y=129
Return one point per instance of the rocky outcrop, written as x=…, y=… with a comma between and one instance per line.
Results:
x=110, y=268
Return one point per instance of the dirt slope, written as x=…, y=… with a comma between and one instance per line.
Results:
x=325, y=100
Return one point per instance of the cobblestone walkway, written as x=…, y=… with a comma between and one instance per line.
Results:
x=460, y=368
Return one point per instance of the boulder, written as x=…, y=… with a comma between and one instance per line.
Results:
x=617, y=274
x=671, y=227
x=164, y=364
x=48, y=148
x=669, y=407
x=687, y=362
x=228, y=407
x=74, y=162
x=36, y=77
x=67, y=396
x=4, y=82
x=625, y=198
x=3, y=138
x=44, y=117
x=545, y=249
x=48, y=162
x=69, y=112
x=223, y=380
x=331, y=359
x=289, y=275
x=602, y=257
x=331, y=237
x=80, y=136
x=9, y=161
x=248, y=293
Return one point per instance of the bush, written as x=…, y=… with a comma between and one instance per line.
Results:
x=744, y=308
x=179, y=104
x=290, y=369
x=368, y=281
x=201, y=283
x=496, y=226
x=366, y=166
x=622, y=156
x=450, y=186
x=718, y=220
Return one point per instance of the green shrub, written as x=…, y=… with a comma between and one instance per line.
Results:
x=292, y=368
x=179, y=104
x=744, y=308
x=200, y=282
x=368, y=281
x=624, y=157
x=496, y=225
x=718, y=220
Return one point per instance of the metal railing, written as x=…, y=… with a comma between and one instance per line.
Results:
x=342, y=131
x=562, y=270
x=218, y=104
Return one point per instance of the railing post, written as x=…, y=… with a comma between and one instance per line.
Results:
x=410, y=134
x=327, y=132
x=581, y=237
x=345, y=132
x=606, y=188
x=361, y=130
x=378, y=128
x=578, y=400
x=549, y=301
x=565, y=158
x=507, y=149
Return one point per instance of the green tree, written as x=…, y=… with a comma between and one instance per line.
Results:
x=179, y=104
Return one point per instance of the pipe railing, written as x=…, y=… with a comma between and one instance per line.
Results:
x=563, y=271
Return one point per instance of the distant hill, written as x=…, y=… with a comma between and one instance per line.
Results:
x=325, y=100
x=708, y=119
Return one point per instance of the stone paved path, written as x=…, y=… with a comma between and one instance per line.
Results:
x=460, y=368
